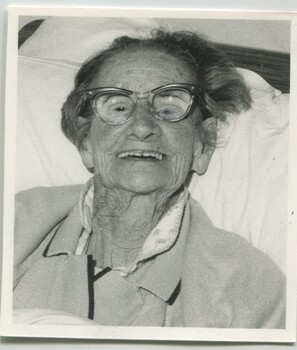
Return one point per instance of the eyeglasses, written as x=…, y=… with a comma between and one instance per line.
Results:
x=169, y=103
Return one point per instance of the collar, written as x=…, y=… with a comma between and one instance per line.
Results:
x=162, y=275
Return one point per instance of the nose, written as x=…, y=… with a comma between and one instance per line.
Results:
x=144, y=126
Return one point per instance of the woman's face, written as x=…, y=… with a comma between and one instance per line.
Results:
x=109, y=149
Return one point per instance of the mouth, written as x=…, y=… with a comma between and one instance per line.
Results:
x=141, y=155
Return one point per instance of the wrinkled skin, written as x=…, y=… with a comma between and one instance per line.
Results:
x=134, y=193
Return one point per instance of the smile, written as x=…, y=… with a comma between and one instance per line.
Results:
x=142, y=155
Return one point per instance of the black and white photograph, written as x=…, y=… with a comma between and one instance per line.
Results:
x=125, y=221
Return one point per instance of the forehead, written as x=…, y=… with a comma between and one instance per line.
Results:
x=142, y=71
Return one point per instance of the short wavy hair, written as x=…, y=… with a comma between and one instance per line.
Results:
x=223, y=89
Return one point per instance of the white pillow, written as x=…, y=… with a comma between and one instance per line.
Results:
x=74, y=39
x=245, y=187
x=44, y=156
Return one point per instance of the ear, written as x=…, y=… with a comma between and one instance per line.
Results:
x=203, y=150
x=86, y=153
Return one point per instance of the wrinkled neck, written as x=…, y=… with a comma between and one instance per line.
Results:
x=122, y=221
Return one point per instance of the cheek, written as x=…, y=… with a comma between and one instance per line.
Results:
x=103, y=140
x=181, y=164
x=183, y=142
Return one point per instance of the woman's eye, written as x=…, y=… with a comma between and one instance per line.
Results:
x=119, y=109
x=169, y=113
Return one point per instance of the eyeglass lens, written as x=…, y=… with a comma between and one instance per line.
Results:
x=117, y=107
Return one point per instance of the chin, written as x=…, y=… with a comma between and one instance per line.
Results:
x=142, y=185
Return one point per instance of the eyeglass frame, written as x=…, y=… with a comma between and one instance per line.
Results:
x=135, y=96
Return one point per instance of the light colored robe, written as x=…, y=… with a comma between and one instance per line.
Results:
x=225, y=282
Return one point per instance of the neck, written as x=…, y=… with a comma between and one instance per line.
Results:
x=122, y=221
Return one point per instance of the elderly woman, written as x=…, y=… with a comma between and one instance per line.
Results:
x=132, y=247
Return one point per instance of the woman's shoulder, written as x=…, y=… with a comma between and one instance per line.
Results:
x=223, y=244
x=37, y=211
x=38, y=200
x=227, y=248
x=42, y=193
x=228, y=265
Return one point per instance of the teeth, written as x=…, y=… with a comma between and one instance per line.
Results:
x=144, y=154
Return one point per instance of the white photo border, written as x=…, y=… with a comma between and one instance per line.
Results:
x=140, y=333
